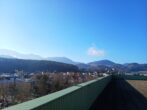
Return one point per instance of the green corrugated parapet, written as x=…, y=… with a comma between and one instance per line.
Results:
x=79, y=97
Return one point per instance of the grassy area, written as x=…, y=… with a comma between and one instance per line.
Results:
x=140, y=85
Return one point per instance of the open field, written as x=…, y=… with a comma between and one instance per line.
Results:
x=139, y=85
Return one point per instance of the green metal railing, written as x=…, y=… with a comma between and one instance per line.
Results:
x=79, y=97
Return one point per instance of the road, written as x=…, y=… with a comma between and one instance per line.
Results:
x=119, y=95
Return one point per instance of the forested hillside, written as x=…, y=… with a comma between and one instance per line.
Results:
x=10, y=65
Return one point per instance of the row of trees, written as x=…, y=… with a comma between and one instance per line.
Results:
x=41, y=84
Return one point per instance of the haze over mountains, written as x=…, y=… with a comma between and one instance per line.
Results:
x=96, y=65
x=13, y=54
x=5, y=53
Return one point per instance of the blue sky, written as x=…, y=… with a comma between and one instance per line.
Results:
x=83, y=30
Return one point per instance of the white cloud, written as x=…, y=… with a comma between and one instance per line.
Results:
x=92, y=51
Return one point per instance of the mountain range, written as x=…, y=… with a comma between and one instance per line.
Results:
x=96, y=65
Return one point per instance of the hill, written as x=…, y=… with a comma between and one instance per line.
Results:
x=62, y=60
x=10, y=65
x=102, y=62
x=136, y=67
